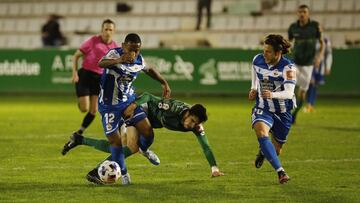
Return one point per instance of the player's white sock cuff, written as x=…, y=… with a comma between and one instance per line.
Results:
x=280, y=169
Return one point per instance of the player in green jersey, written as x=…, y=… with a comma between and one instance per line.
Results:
x=169, y=113
x=305, y=33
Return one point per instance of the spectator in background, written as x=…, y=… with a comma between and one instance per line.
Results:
x=51, y=34
x=305, y=33
x=87, y=79
x=201, y=4
x=318, y=76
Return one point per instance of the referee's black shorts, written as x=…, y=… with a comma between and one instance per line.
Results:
x=89, y=83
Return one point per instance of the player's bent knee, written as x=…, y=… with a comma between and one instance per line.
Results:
x=84, y=109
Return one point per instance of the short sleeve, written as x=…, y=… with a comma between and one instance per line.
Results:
x=290, y=34
x=86, y=46
x=111, y=54
x=318, y=31
x=145, y=67
x=289, y=74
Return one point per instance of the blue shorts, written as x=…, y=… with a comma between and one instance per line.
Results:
x=279, y=123
x=112, y=119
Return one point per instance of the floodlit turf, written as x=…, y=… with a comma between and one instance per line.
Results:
x=321, y=157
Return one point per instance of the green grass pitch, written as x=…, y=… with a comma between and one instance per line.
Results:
x=321, y=156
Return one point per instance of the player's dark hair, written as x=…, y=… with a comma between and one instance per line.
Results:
x=199, y=111
x=132, y=38
x=303, y=6
x=107, y=21
x=278, y=42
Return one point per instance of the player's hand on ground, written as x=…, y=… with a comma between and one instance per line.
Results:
x=75, y=78
x=252, y=94
x=129, y=111
x=266, y=94
x=216, y=174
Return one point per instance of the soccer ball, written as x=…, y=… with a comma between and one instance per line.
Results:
x=109, y=172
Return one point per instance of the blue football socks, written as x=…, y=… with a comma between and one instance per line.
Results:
x=145, y=142
x=269, y=152
x=311, y=94
x=118, y=156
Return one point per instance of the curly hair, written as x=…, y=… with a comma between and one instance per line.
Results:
x=278, y=42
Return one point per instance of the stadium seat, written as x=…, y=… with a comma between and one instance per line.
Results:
x=345, y=21
x=279, y=6
x=150, y=41
x=247, y=23
x=173, y=23
x=261, y=23
x=9, y=25
x=51, y=7
x=38, y=9
x=164, y=7
x=68, y=24
x=190, y=7
x=318, y=5
x=134, y=23
x=290, y=6
x=14, y=9
x=219, y=23
x=64, y=8
x=338, y=40
x=357, y=21
x=357, y=5
x=331, y=21
x=253, y=41
x=347, y=5
x=287, y=20
x=332, y=5
x=150, y=7
x=177, y=7
x=21, y=25
x=160, y=24
x=4, y=7
x=35, y=24
x=188, y=23
x=137, y=7
x=26, y=8
x=274, y=22
x=234, y=23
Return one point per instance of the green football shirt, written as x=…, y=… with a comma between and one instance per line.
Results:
x=169, y=113
x=304, y=50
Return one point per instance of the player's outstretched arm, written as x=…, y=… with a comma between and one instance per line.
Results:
x=203, y=141
x=153, y=73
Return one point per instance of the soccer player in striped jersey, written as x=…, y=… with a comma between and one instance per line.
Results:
x=169, y=113
x=122, y=65
x=273, y=84
x=318, y=76
x=87, y=78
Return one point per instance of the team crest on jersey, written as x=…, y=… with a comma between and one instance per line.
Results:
x=276, y=72
x=108, y=127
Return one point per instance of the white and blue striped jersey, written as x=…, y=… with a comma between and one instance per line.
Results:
x=327, y=60
x=116, y=81
x=273, y=78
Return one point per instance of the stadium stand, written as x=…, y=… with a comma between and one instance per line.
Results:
x=171, y=23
